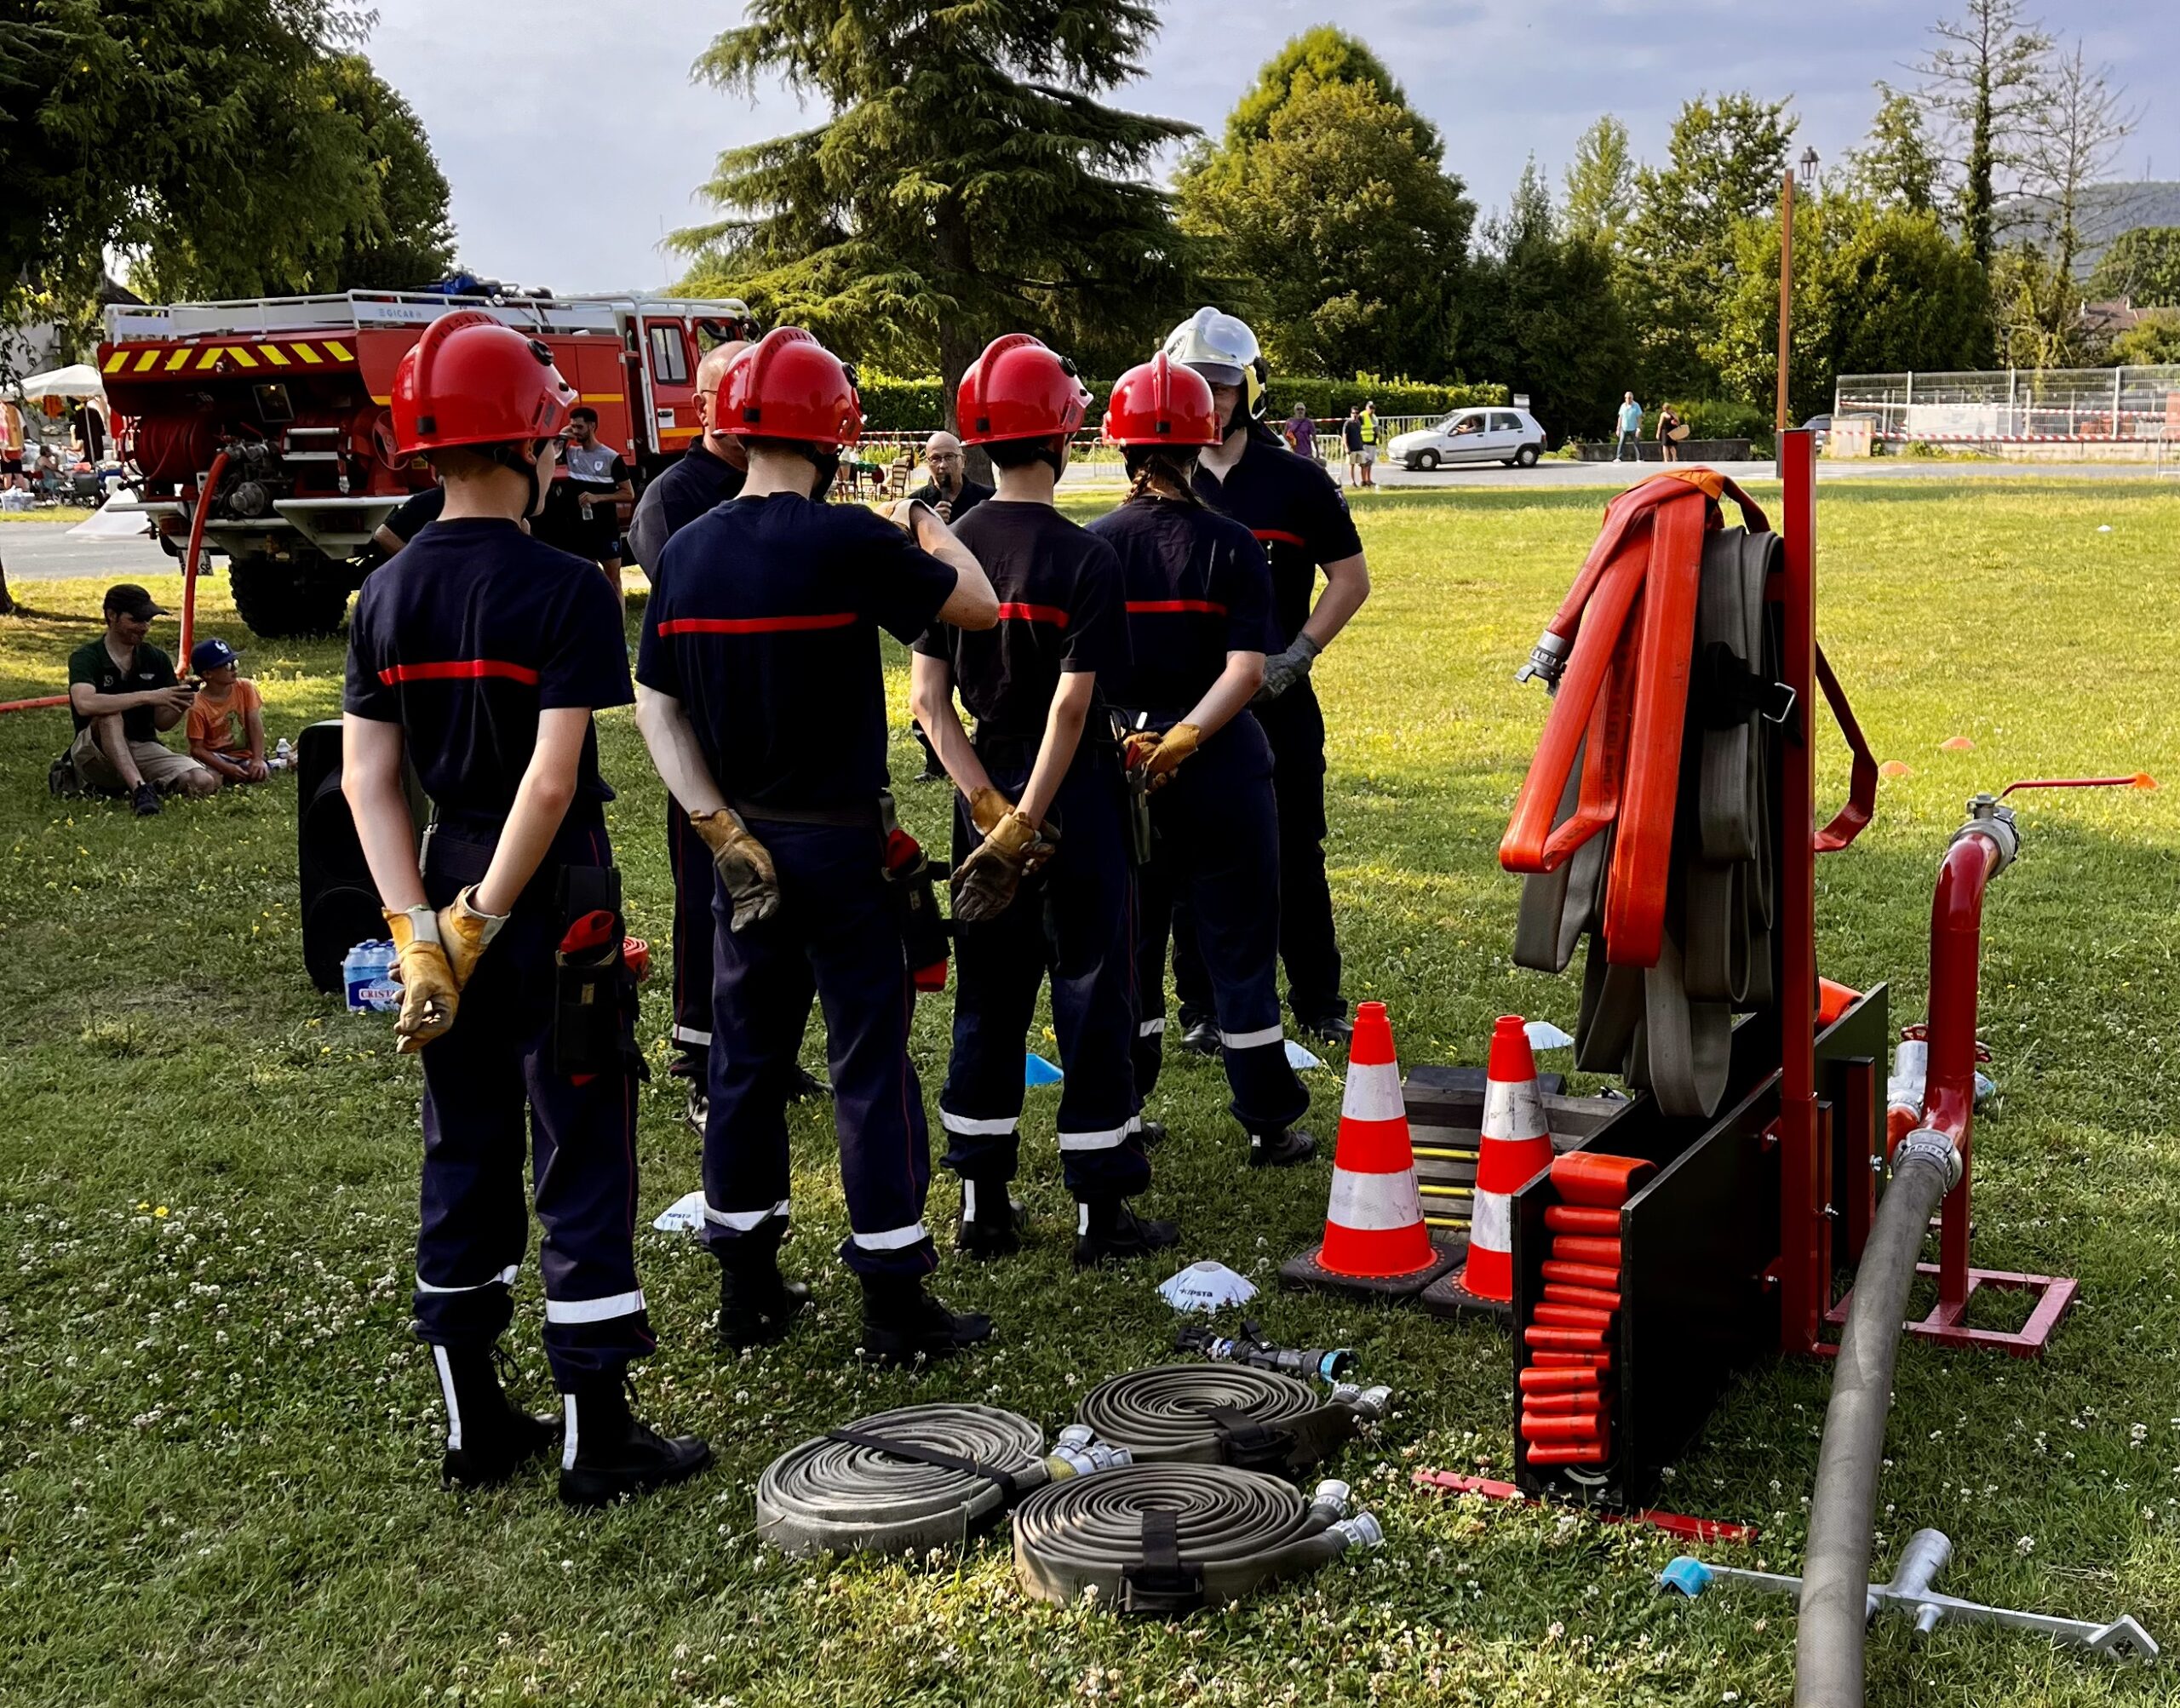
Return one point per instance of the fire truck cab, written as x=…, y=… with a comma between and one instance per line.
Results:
x=272, y=414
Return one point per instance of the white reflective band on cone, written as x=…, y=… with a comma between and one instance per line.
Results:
x=689, y=1035
x=595, y=1309
x=743, y=1221
x=975, y=1127
x=1372, y=1203
x=1095, y=1141
x=893, y=1240
x=453, y=1405
x=505, y=1278
x=1253, y=1041
x=1491, y=1222
x=1512, y=1110
x=1151, y=1028
x=1373, y=1092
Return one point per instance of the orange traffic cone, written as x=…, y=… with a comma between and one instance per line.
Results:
x=1375, y=1240
x=1515, y=1148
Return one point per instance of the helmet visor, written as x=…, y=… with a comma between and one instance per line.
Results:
x=1218, y=373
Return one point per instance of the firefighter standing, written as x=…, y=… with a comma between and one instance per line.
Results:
x=762, y=698
x=1199, y=618
x=480, y=653
x=1297, y=514
x=1042, y=772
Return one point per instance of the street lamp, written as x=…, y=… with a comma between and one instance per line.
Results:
x=1808, y=169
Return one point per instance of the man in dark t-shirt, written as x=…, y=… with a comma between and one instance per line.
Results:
x=410, y=518
x=121, y=693
x=948, y=489
x=583, y=514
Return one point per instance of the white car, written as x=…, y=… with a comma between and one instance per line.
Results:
x=1467, y=436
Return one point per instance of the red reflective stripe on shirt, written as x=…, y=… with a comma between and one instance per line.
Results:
x=1280, y=535
x=458, y=670
x=1142, y=607
x=754, y=625
x=1035, y=613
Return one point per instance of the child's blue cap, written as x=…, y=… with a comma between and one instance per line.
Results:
x=210, y=653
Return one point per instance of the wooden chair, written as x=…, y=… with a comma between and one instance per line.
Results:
x=896, y=476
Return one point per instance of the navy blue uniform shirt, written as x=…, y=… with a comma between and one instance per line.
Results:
x=693, y=484
x=1059, y=610
x=463, y=637
x=765, y=628
x=1197, y=589
x=1298, y=514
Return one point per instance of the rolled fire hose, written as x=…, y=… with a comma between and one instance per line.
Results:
x=1165, y=1539
x=916, y=1478
x=1226, y=1414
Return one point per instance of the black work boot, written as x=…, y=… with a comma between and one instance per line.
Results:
x=756, y=1305
x=1107, y=1231
x=1282, y=1148
x=1150, y=1132
x=992, y=1220
x=488, y=1440
x=1334, y=1028
x=1201, y=1036
x=902, y=1323
x=608, y=1454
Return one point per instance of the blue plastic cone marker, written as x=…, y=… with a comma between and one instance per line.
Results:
x=1690, y=1576
x=1037, y=1071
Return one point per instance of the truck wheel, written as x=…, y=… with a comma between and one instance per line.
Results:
x=278, y=598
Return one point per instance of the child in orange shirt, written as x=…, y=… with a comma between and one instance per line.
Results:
x=226, y=720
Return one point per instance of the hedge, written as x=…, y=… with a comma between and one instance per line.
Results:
x=896, y=405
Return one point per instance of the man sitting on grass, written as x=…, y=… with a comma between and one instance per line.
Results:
x=122, y=692
x=226, y=720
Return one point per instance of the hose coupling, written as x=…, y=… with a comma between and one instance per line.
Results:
x=1547, y=658
x=1371, y=1403
x=1361, y=1531
x=1329, y=1502
x=1988, y=818
x=1078, y=1452
x=1929, y=1145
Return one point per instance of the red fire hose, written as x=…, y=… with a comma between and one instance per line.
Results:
x=198, y=513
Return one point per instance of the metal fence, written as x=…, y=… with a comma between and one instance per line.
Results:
x=2018, y=406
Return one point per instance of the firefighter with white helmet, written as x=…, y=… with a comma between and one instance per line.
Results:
x=1299, y=516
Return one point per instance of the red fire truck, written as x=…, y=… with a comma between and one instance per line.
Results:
x=286, y=398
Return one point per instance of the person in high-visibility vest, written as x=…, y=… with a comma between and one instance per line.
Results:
x=1368, y=458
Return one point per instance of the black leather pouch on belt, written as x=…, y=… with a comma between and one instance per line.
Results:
x=910, y=873
x=1137, y=783
x=593, y=988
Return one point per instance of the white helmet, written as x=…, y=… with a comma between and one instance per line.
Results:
x=1221, y=347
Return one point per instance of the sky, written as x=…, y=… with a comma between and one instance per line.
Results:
x=575, y=143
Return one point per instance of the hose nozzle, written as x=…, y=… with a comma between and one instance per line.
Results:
x=1547, y=658
x=1361, y=1531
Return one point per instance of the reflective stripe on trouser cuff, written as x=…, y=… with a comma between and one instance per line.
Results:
x=505, y=1278
x=1491, y=1222
x=1099, y=1141
x=1151, y=1028
x=977, y=1126
x=1252, y=1040
x=1370, y=1203
x=567, y=1432
x=893, y=1240
x=689, y=1035
x=595, y=1309
x=744, y=1221
x=1373, y=1092
x=453, y=1403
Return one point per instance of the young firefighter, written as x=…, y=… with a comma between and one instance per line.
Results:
x=1199, y=619
x=1299, y=516
x=1033, y=777
x=762, y=699
x=481, y=653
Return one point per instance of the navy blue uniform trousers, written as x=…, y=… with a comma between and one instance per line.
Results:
x=694, y=880
x=1294, y=725
x=1075, y=920
x=493, y=1103
x=838, y=934
x=1214, y=848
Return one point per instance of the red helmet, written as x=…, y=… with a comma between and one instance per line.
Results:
x=1160, y=402
x=1018, y=389
x=471, y=380
x=788, y=385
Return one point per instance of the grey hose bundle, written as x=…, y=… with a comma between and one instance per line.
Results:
x=920, y=1477
x=1226, y=1414
x=1165, y=1539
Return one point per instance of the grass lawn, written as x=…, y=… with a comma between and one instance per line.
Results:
x=219, y=1442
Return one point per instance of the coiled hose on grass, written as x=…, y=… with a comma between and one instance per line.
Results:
x=1165, y=1539
x=1226, y=1414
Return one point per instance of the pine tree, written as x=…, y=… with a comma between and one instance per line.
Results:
x=1983, y=78
x=1601, y=182
x=967, y=182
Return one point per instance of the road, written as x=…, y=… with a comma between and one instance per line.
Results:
x=43, y=552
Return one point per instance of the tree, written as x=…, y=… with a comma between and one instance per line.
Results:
x=1601, y=182
x=965, y=184
x=1321, y=55
x=1725, y=158
x=407, y=240
x=1982, y=79
x=1348, y=240
x=1896, y=167
x=2142, y=266
x=2153, y=342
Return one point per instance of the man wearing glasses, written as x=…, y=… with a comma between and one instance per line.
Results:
x=949, y=491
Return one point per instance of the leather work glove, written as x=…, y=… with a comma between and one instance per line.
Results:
x=987, y=806
x=465, y=933
x=985, y=884
x=745, y=866
x=429, y=988
x=1159, y=754
x=1283, y=670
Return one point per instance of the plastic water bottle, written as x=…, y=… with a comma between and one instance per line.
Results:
x=367, y=975
x=284, y=756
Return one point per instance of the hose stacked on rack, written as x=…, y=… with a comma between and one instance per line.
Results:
x=916, y=1478
x=1226, y=1414
x=1165, y=1539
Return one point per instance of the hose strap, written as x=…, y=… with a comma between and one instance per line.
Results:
x=1159, y=1585
x=917, y=1453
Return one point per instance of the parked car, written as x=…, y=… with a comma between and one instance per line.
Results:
x=1822, y=427
x=1471, y=436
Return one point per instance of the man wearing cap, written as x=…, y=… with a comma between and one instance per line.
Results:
x=122, y=692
